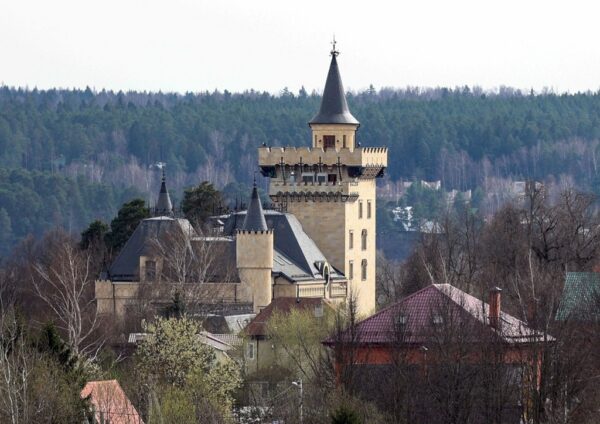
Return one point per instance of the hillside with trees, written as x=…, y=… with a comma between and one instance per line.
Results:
x=68, y=157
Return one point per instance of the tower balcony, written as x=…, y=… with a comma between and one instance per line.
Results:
x=364, y=157
x=346, y=190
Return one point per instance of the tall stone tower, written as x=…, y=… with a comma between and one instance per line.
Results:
x=254, y=254
x=330, y=187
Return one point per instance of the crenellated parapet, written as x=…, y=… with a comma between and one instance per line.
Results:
x=359, y=157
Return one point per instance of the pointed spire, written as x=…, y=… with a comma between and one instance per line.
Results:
x=255, y=218
x=164, y=207
x=334, y=108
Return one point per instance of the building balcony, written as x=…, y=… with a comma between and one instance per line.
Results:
x=335, y=290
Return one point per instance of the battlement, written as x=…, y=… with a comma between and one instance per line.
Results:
x=360, y=156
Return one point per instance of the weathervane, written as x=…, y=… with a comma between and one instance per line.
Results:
x=334, y=52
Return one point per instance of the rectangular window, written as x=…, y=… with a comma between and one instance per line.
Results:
x=351, y=240
x=360, y=209
x=321, y=178
x=329, y=141
x=363, y=240
x=350, y=270
x=331, y=178
x=344, y=141
x=368, y=209
x=250, y=350
x=363, y=269
x=308, y=178
x=150, y=270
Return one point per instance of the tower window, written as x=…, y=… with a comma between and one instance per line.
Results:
x=363, y=240
x=351, y=240
x=344, y=141
x=150, y=270
x=329, y=141
x=360, y=209
x=350, y=270
x=363, y=269
x=368, y=209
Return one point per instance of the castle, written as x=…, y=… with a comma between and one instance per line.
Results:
x=320, y=243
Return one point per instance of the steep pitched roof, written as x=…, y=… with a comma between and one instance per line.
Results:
x=296, y=256
x=126, y=266
x=255, y=218
x=164, y=207
x=433, y=305
x=109, y=403
x=581, y=297
x=284, y=305
x=334, y=108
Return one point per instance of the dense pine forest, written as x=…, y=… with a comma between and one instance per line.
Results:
x=70, y=156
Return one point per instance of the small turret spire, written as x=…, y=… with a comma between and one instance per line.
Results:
x=334, y=108
x=164, y=207
x=255, y=218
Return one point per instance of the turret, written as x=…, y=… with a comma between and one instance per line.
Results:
x=334, y=127
x=254, y=254
x=164, y=207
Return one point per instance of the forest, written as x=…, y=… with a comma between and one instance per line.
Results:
x=68, y=157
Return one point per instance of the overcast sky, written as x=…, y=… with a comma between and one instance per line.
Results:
x=180, y=45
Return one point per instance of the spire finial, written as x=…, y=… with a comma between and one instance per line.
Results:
x=334, y=52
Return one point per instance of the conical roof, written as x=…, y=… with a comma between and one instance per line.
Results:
x=164, y=207
x=334, y=108
x=255, y=218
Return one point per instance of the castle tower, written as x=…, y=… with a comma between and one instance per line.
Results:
x=330, y=187
x=254, y=254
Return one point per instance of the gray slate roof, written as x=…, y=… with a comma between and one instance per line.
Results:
x=255, y=219
x=126, y=266
x=164, y=205
x=334, y=108
x=296, y=256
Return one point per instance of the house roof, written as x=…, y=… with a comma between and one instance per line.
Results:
x=126, y=267
x=412, y=319
x=581, y=297
x=110, y=403
x=334, y=108
x=296, y=256
x=284, y=305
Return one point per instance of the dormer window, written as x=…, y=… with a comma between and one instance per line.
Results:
x=150, y=270
x=438, y=320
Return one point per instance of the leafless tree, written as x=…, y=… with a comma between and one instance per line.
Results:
x=64, y=282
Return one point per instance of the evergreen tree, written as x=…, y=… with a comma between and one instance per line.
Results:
x=201, y=202
x=125, y=223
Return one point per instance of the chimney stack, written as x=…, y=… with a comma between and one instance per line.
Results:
x=494, y=318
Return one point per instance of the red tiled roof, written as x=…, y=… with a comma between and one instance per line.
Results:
x=109, y=403
x=412, y=319
x=258, y=326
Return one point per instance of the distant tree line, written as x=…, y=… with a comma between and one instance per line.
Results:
x=69, y=156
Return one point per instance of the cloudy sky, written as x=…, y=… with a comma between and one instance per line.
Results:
x=196, y=45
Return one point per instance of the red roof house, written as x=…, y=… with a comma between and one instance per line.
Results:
x=109, y=403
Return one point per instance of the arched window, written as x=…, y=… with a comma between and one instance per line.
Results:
x=363, y=269
x=363, y=240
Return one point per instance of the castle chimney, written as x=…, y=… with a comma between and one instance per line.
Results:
x=494, y=318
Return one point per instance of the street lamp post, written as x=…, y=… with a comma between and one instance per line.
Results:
x=299, y=385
